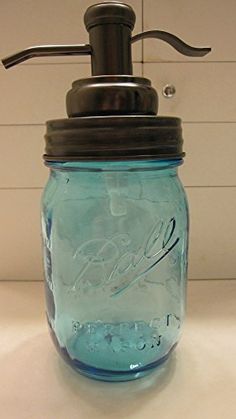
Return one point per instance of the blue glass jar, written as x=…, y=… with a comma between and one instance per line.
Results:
x=114, y=212
x=115, y=240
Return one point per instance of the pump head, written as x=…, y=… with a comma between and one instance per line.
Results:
x=102, y=108
x=110, y=26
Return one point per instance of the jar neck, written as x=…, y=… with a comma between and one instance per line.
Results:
x=117, y=166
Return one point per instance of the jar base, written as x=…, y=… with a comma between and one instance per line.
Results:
x=108, y=375
x=116, y=376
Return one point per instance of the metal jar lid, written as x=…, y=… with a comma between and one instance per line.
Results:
x=100, y=138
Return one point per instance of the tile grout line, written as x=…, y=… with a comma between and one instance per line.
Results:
x=23, y=125
x=142, y=44
x=208, y=186
x=211, y=279
x=21, y=280
x=189, y=62
x=208, y=122
x=19, y=188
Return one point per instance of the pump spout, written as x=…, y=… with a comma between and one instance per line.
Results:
x=45, y=51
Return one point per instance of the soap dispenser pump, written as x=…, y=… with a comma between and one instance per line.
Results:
x=114, y=211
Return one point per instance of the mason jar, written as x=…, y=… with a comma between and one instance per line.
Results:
x=115, y=236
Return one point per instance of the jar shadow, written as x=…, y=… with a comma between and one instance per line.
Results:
x=117, y=397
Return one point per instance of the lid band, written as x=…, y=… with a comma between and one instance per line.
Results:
x=114, y=138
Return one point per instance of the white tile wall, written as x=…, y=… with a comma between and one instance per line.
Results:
x=20, y=242
x=213, y=232
x=205, y=98
x=210, y=154
x=22, y=147
x=204, y=91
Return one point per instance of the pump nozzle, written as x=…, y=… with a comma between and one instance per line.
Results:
x=45, y=51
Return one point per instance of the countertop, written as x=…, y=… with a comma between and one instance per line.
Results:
x=198, y=381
